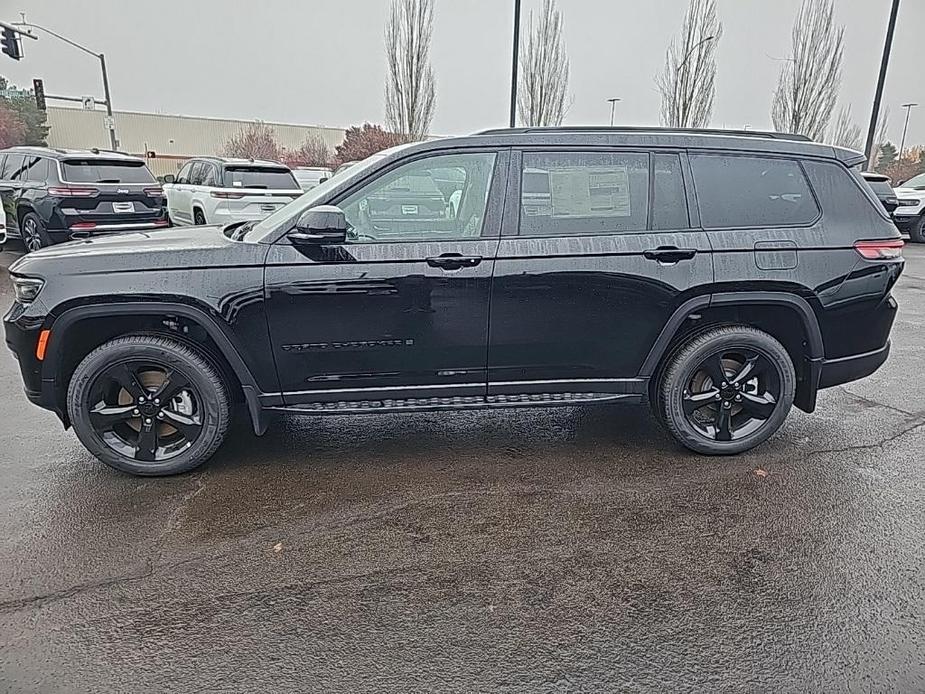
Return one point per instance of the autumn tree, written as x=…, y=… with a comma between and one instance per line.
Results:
x=33, y=119
x=255, y=141
x=687, y=84
x=809, y=80
x=362, y=141
x=542, y=90
x=410, y=90
x=12, y=129
x=314, y=151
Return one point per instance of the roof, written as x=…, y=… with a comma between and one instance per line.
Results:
x=242, y=160
x=60, y=153
x=598, y=136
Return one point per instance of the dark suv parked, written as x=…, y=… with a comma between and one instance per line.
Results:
x=49, y=195
x=720, y=277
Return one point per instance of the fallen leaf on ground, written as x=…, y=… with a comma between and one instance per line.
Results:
x=278, y=547
x=761, y=473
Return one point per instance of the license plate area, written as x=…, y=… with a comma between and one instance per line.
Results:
x=123, y=207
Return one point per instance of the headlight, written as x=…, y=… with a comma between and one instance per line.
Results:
x=26, y=288
x=906, y=202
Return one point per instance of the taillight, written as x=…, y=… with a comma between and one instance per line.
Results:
x=73, y=192
x=880, y=250
x=154, y=192
x=226, y=195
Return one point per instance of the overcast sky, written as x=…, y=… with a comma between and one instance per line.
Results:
x=321, y=62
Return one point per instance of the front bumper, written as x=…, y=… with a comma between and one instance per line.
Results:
x=904, y=222
x=22, y=336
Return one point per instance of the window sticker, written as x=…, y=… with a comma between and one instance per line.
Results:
x=590, y=191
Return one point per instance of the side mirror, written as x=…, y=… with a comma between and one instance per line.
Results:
x=320, y=226
x=170, y=178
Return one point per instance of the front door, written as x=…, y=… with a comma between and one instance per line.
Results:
x=401, y=309
x=597, y=254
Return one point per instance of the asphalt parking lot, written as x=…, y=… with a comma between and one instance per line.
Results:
x=574, y=549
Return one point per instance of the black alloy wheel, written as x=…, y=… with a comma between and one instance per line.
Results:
x=31, y=233
x=732, y=394
x=726, y=390
x=146, y=411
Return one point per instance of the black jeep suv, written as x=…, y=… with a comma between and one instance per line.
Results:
x=721, y=277
x=50, y=195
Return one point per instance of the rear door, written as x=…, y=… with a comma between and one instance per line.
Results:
x=254, y=192
x=598, y=250
x=179, y=195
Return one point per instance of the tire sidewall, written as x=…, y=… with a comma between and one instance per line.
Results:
x=689, y=359
x=917, y=231
x=44, y=239
x=213, y=402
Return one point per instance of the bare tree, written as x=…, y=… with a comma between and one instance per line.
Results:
x=809, y=80
x=542, y=90
x=844, y=132
x=688, y=82
x=410, y=90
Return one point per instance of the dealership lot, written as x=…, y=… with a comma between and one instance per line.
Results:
x=562, y=549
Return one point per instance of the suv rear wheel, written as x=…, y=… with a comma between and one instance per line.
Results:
x=33, y=233
x=199, y=218
x=727, y=390
x=148, y=405
x=917, y=230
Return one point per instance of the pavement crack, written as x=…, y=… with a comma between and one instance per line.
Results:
x=877, y=403
x=146, y=570
x=870, y=446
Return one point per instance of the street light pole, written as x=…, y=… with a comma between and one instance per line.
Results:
x=902, y=142
x=514, y=60
x=613, y=103
x=878, y=94
x=114, y=143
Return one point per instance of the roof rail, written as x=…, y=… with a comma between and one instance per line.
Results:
x=648, y=129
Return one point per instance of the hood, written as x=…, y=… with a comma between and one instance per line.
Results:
x=909, y=192
x=167, y=249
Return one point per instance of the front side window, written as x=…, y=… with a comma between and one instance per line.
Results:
x=102, y=171
x=431, y=199
x=195, y=174
x=183, y=176
x=747, y=191
x=577, y=193
x=13, y=168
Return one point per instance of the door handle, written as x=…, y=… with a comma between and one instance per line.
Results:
x=454, y=261
x=670, y=254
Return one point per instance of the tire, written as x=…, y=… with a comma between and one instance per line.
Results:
x=753, y=402
x=199, y=217
x=917, y=230
x=33, y=234
x=94, y=394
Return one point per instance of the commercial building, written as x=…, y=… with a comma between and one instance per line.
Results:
x=172, y=139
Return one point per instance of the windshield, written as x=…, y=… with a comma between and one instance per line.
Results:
x=915, y=182
x=101, y=171
x=259, y=177
x=291, y=212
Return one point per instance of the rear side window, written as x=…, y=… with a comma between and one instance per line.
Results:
x=259, y=177
x=576, y=193
x=209, y=175
x=669, y=205
x=103, y=171
x=195, y=173
x=881, y=188
x=37, y=170
x=747, y=191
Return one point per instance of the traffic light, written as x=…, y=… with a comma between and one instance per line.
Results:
x=38, y=88
x=10, y=43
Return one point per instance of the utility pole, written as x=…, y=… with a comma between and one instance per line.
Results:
x=902, y=142
x=110, y=122
x=878, y=95
x=613, y=103
x=514, y=60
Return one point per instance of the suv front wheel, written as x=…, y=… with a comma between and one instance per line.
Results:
x=148, y=405
x=727, y=390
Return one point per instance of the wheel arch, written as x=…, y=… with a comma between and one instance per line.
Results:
x=63, y=328
x=698, y=313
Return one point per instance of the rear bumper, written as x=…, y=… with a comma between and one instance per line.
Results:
x=851, y=368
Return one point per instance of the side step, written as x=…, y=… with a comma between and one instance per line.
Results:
x=469, y=402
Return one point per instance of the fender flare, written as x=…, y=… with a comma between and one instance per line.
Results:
x=63, y=322
x=815, y=349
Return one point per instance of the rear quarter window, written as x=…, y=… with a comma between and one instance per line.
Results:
x=751, y=191
x=102, y=171
x=259, y=177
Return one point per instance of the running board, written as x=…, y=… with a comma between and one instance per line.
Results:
x=469, y=402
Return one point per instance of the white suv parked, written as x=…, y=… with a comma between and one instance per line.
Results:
x=214, y=190
x=910, y=215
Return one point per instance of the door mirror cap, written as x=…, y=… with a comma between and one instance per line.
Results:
x=170, y=178
x=322, y=225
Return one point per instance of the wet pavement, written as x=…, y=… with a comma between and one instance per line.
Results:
x=574, y=549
